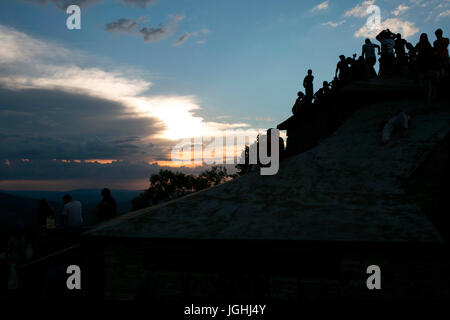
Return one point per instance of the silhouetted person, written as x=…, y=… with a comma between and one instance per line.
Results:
x=412, y=52
x=322, y=92
x=400, y=44
x=343, y=69
x=107, y=208
x=353, y=68
x=428, y=66
x=299, y=103
x=368, y=53
x=387, y=60
x=412, y=59
x=309, y=89
x=45, y=211
x=400, y=53
x=16, y=254
x=16, y=246
x=335, y=84
x=425, y=53
x=72, y=212
x=441, y=48
x=361, y=69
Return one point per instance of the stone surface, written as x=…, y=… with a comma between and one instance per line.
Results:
x=348, y=188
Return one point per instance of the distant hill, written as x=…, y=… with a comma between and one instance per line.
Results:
x=20, y=206
x=16, y=210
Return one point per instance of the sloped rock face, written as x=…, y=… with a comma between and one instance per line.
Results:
x=429, y=186
x=348, y=188
x=318, y=121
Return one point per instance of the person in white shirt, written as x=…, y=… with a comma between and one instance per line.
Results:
x=387, y=52
x=400, y=121
x=72, y=212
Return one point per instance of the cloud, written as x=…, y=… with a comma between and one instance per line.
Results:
x=184, y=37
x=265, y=119
x=320, y=6
x=359, y=11
x=48, y=123
x=399, y=10
x=84, y=172
x=443, y=14
x=334, y=24
x=181, y=39
x=55, y=108
x=20, y=48
x=396, y=25
x=121, y=26
x=151, y=34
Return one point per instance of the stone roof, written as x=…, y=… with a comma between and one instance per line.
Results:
x=348, y=188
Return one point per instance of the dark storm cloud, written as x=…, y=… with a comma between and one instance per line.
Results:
x=151, y=34
x=47, y=124
x=121, y=26
x=56, y=169
x=43, y=169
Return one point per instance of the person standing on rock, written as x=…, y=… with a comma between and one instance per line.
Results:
x=441, y=48
x=309, y=89
x=299, y=103
x=428, y=67
x=368, y=53
x=343, y=69
x=387, y=60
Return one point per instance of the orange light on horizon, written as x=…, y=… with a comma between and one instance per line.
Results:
x=72, y=184
x=101, y=161
x=174, y=164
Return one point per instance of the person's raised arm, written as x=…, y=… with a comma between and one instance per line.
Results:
x=379, y=49
x=362, y=51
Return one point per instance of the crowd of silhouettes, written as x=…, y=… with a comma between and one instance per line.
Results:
x=72, y=211
x=427, y=64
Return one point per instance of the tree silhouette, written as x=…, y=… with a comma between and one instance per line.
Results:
x=168, y=185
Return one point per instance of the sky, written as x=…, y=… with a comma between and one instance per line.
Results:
x=107, y=103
